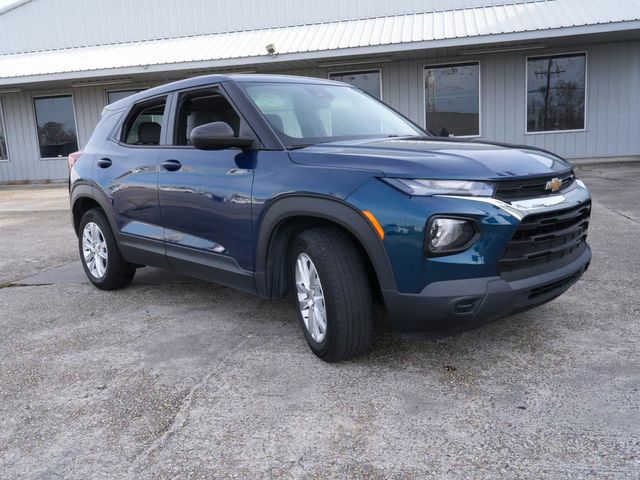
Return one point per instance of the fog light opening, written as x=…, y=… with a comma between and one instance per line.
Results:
x=449, y=234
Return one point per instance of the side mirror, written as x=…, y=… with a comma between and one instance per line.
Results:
x=217, y=135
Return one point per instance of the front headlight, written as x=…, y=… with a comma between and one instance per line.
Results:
x=424, y=187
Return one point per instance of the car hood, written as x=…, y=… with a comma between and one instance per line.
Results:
x=437, y=158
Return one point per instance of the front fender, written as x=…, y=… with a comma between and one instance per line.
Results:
x=326, y=208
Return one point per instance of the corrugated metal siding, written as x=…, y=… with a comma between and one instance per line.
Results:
x=24, y=162
x=48, y=24
x=613, y=103
x=612, y=99
x=24, y=155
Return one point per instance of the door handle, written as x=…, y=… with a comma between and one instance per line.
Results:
x=171, y=165
x=104, y=163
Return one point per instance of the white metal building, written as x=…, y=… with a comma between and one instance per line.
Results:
x=558, y=74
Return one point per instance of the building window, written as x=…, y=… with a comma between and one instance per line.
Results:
x=368, y=81
x=4, y=153
x=56, y=122
x=115, y=95
x=452, y=97
x=556, y=93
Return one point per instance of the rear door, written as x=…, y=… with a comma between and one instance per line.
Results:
x=127, y=171
x=205, y=195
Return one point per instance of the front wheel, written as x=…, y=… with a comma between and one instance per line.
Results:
x=99, y=253
x=332, y=293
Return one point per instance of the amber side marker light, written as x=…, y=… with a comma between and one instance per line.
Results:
x=374, y=221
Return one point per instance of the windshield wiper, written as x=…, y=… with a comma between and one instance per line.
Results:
x=410, y=137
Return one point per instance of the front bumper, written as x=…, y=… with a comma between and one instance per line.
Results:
x=458, y=304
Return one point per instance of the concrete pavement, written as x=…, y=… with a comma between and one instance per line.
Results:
x=175, y=378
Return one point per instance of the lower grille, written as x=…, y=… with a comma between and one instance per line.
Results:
x=554, y=287
x=546, y=237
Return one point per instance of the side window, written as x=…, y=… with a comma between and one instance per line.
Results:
x=198, y=108
x=144, y=123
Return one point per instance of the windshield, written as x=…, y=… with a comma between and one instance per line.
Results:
x=306, y=114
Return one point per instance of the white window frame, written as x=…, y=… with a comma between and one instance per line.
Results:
x=6, y=136
x=35, y=120
x=452, y=64
x=107, y=91
x=356, y=70
x=526, y=91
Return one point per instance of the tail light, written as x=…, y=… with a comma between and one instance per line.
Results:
x=73, y=158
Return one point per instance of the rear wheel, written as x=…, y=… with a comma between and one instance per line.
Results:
x=99, y=254
x=332, y=293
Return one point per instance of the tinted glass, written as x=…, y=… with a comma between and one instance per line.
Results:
x=200, y=108
x=144, y=125
x=116, y=95
x=367, y=81
x=303, y=114
x=452, y=95
x=555, y=93
x=4, y=154
x=56, y=123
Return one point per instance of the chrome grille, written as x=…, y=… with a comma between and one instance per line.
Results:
x=531, y=187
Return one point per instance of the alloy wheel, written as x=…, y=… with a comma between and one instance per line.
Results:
x=94, y=250
x=311, y=298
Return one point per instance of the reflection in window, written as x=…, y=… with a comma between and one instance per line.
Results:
x=555, y=93
x=4, y=154
x=325, y=113
x=115, y=95
x=452, y=96
x=56, y=124
x=368, y=81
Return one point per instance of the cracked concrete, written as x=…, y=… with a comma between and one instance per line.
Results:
x=175, y=378
x=182, y=415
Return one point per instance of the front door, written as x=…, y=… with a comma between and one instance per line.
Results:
x=205, y=195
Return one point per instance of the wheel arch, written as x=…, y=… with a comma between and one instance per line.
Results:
x=293, y=213
x=83, y=199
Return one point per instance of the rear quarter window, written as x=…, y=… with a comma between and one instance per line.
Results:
x=144, y=123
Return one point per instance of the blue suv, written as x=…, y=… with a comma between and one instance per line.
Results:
x=281, y=185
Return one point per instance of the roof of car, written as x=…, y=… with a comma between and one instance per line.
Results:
x=217, y=78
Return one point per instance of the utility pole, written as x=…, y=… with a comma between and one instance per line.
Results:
x=547, y=73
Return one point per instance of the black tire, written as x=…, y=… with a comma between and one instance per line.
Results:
x=118, y=273
x=347, y=292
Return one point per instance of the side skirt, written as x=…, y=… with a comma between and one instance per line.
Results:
x=211, y=267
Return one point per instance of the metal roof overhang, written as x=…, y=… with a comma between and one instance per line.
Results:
x=308, y=43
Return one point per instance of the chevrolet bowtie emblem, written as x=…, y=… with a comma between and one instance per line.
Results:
x=553, y=185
